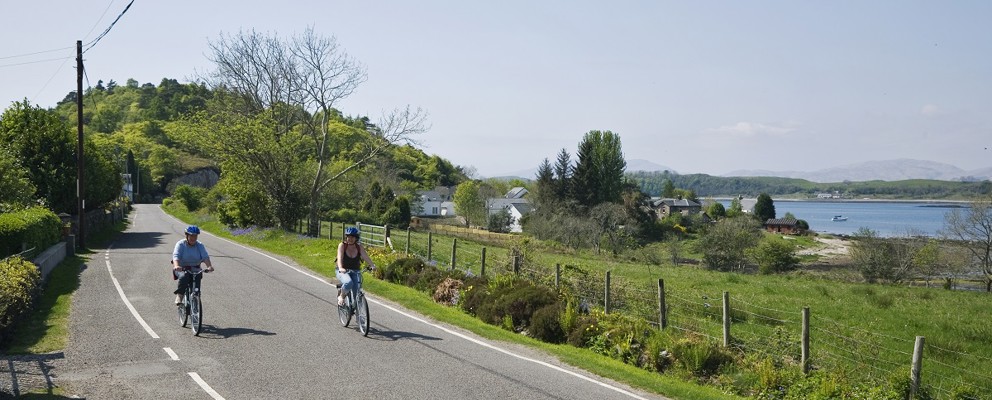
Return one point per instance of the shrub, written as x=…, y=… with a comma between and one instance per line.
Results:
x=397, y=271
x=20, y=281
x=544, y=325
x=585, y=329
x=190, y=196
x=519, y=304
x=699, y=357
x=473, y=295
x=35, y=227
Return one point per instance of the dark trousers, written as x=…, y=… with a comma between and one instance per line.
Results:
x=184, y=281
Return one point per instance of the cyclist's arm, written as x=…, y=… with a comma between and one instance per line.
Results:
x=206, y=257
x=175, y=257
x=340, y=259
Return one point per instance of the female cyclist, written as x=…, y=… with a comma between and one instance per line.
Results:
x=349, y=261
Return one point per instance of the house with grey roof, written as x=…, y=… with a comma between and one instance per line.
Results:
x=514, y=203
x=434, y=203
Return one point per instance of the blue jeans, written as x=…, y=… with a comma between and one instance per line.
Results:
x=349, y=280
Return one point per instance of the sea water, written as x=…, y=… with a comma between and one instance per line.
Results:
x=887, y=219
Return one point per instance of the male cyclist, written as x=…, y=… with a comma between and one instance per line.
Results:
x=350, y=256
x=188, y=255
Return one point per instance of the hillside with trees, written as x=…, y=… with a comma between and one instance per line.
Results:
x=704, y=185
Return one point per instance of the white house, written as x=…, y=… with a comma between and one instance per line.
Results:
x=513, y=202
x=433, y=203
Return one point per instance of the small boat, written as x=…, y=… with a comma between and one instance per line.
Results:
x=838, y=218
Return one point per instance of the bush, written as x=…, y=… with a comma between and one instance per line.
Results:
x=397, y=271
x=448, y=292
x=191, y=197
x=36, y=227
x=545, y=325
x=699, y=357
x=518, y=304
x=20, y=282
x=586, y=328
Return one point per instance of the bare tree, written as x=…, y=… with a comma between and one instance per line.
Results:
x=972, y=228
x=299, y=81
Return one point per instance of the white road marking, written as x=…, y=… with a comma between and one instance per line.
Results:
x=476, y=341
x=129, y=305
x=172, y=354
x=206, y=388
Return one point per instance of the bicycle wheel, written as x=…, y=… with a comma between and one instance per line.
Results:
x=195, y=314
x=362, y=314
x=344, y=312
x=181, y=310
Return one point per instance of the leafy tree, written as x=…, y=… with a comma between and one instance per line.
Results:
x=598, y=175
x=972, y=229
x=16, y=189
x=611, y=221
x=469, y=202
x=668, y=189
x=928, y=260
x=764, y=208
x=880, y=259
x=43, y=143
x=726, y=243
x=736, y=209
x=253, y=156
x=298, y=82
x=716, y=211
x=500, y=221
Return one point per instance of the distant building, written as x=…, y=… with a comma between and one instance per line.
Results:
x=787, y=226
x=666, y=207
x=434, y=203
x=514, y=203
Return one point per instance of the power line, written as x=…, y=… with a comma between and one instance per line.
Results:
x=94, y=42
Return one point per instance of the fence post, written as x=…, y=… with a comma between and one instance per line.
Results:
x=606, y=300
x=430, y=245
x=662, y=312
x=516, y=262
x=482, y=272
x=557, y=275
x=454, y=247
x=805, y=344
x=726, y=319
x=916, y=368
x=408, y=241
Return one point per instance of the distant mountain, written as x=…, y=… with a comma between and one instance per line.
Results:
x=889, y=170
x=632, y=165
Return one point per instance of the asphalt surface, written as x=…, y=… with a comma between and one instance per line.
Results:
x=271, y=331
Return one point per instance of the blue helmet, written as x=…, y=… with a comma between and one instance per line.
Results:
x=193, y=230
x=352, y=231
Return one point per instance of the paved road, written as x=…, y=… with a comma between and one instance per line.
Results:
x=271, y=331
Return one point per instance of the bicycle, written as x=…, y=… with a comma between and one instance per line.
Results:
x=191, y=309
x=355, y=304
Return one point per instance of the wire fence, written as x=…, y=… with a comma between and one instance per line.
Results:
x=719, y=317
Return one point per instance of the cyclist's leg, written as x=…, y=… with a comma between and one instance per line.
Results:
x=182, y=283
x=346, y=283
x=356, y=282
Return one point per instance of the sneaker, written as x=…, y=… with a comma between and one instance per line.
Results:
x=179, y=299
x=340, y=300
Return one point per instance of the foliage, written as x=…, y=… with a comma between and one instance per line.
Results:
x=545, y=325
x=16, y=189
x=469, y=202
x=43, y=142
x=598, y=174
x=774, y=255
x=764, y=208
x=500, y=221
x=724, y=246
x=20, y=281
x=190, y=196
x=972, y=227
x=35, y=227
x=711, y=186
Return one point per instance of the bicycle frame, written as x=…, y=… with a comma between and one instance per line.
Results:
x=355, y=304
x=192, y=306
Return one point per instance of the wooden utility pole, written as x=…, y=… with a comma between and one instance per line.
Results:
x=80, y=176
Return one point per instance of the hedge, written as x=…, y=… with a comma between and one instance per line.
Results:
x=38, y=227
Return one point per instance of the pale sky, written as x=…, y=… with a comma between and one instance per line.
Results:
x=698, y=86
